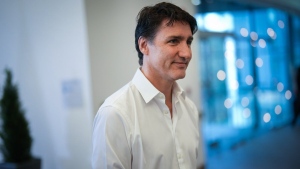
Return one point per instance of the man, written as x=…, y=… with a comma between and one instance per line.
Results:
x=150, y=123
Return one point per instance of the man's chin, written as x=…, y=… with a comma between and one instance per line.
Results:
x=181, y=76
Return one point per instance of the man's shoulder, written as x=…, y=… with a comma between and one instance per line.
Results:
x=119, y=93
x=122, y=97
x=122, y=103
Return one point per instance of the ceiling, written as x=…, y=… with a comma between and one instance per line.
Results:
x=290, y=6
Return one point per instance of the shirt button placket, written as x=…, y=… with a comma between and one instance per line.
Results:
x=180, y=161
x=166, y=112
x=179, y=156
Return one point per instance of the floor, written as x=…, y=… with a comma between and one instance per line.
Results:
x=276, y=149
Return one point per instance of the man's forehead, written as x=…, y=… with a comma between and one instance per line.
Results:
x=167, y=24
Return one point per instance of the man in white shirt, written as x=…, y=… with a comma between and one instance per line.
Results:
x=150, y=123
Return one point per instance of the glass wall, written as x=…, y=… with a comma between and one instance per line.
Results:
x=296, y=40
x=246, y=66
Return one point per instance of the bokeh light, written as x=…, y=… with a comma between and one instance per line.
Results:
x=228, y=103
x=259, y=62
x=221, y=75
x=267, y=117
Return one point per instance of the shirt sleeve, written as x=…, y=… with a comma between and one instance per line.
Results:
x=111, y=148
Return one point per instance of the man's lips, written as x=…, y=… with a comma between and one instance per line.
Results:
x=181, y=64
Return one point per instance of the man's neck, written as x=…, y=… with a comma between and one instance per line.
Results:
x=163, y=85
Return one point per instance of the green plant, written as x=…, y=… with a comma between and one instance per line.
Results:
x=15, y=133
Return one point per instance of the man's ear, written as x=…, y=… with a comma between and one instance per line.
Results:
x=143, y=45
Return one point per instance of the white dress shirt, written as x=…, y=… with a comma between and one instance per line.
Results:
x=133, y=129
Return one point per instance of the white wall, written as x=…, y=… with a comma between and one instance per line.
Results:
x=114, y=60
x=45, y=44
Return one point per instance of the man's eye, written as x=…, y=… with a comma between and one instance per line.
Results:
x=174, y=41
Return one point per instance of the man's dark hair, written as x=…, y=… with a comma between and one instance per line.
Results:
x=150, y=18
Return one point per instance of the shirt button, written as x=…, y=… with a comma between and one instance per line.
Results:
x=161, y=96
x=179, y=156
x=166, y=112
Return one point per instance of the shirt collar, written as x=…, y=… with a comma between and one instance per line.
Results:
x=148, y=91
x=144, y=86
x=177, y=90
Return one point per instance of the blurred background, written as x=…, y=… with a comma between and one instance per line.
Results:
x=68, y=56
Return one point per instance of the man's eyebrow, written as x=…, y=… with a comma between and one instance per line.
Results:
x=175, y=37
x=181, y=37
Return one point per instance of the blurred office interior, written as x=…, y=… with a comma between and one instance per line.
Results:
x=68, y=56
x=249, y=57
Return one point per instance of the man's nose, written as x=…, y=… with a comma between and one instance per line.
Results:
x=185, y=51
